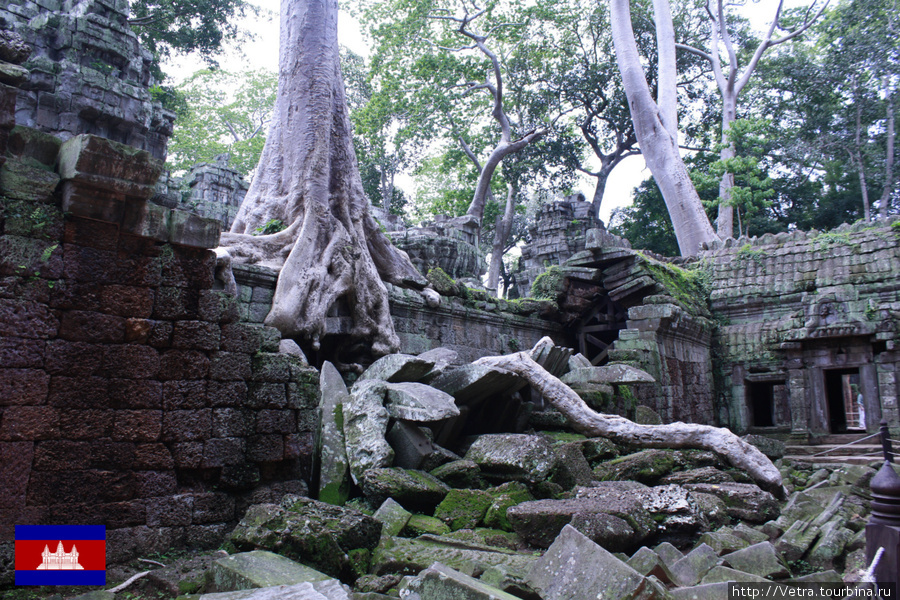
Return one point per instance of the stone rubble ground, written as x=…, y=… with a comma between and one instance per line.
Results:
x=542, y=515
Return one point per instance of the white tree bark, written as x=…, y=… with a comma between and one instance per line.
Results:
x=674, y=435
x=308, y=179
x=885, y=201
x=731, y=84
x=501, y=237
x=655, y=125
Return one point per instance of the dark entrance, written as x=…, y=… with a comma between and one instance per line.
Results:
x=761, y=395
x=841, y=392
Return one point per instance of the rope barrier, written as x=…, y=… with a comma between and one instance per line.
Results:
x=859, y=441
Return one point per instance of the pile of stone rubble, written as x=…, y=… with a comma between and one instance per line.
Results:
x=420, y=508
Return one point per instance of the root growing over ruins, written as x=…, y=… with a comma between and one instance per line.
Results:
x=736, y=451
x=308, y=182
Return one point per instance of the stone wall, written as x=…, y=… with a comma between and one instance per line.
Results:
x=559, y=232
x=471, y=328
x=449, y=244
x=796, y=312
x=130, y=395
x=89, y=74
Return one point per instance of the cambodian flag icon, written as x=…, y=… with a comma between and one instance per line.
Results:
x=60, y=555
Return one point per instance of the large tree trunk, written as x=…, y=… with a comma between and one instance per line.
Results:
x=501, y=237
x=884, y=203
x=857, y=157
x=674, y=435
x=308, y=179
x=725, y=220
x=656, y=127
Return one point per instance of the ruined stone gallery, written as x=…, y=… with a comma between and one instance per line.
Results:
x=631, y=426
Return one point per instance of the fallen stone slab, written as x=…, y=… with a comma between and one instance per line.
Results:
x=829, y=576
x=460, y=474
x=575, y=567
x=259, y=569
x=646, y=466
x=676, y=510
x=504, y=497
x=334, y=469
x=753, y=536
x=400, y=555
x=796, y=540
x=375, y=584
x=424, y=525
x=471, y=384
x=701, y=475
x=614, y=374
x=324, y=590
x=398, y=367
x=365, y=428
x=694, y=565
x=668, y=553
x=416, y=491
x=410, y=445
x=554, y=359
x=772, y=448
x=759, y=559
x=744, y=501
x=832, y=541
x=644, y=560
x=571, y=467
x=721, y=542
x=513, y=457
x=463, y=509
x=724, y=574
x=440, y=582
x=443, y=359
x=419, y=403
x=539, y=522
x=707, y=591
x=315, y=533
x=393, y=517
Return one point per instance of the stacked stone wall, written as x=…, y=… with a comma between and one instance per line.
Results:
x=130, y=394
x=793, y=305
x=89, y=73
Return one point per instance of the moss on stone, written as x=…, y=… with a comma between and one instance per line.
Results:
x=688, y=287
x=422, y=525
x=548, y=285
x=463, y=509
x=442, y=283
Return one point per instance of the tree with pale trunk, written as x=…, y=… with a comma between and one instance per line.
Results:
x=731, y=81
x=331, y=253
x=656, y=122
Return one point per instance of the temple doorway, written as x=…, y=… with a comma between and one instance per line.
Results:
x=845, y=407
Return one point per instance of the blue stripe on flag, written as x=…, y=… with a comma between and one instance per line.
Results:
x=60, y=577
x=61, y=532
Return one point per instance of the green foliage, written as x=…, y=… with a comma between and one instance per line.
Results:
x=225, y=113
x=753, y=188
x=646, y=223
x=747, y=252
x=171, y=99
x=271, y=226
x=548, y=285
x=177, y=27
x=830, y=239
